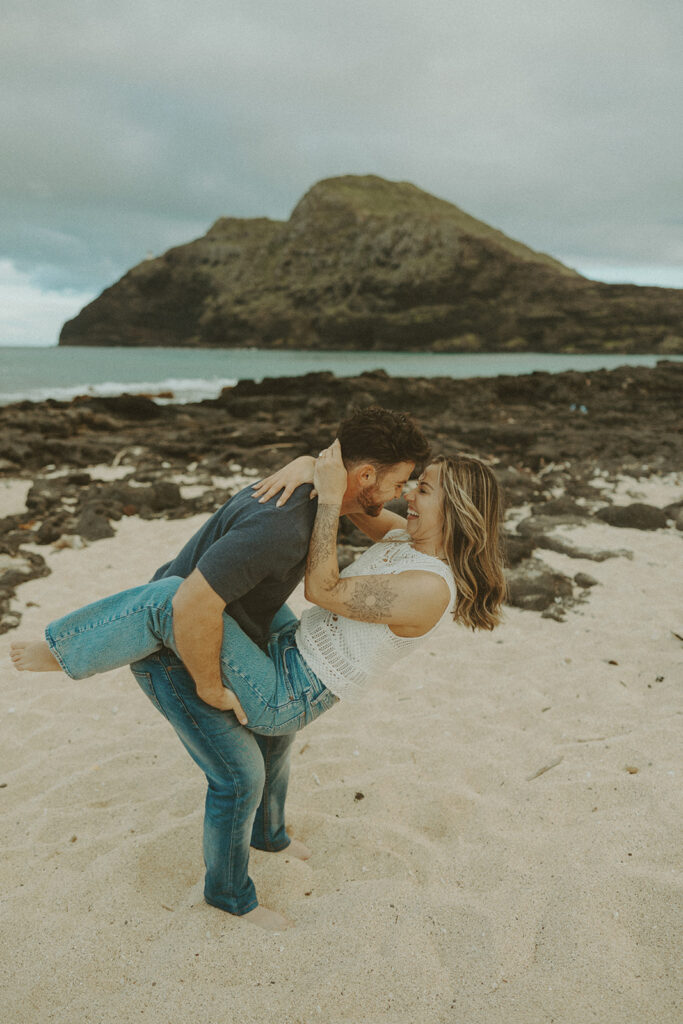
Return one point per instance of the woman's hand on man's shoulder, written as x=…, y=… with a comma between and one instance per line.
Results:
x=286, y=480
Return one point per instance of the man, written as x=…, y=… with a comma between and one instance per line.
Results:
x=246, y=560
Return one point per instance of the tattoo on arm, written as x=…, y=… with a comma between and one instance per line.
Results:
x=371, y=600
x=367, y=599
x=323, y=544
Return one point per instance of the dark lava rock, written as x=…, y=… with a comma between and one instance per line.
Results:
x=585, y=581
x=534, y=586
x=564, y=507
x=347, y=554
x=129, y=407
x=554, y=611
x=538, y=525
x=164, y=495
x=44, y=494
x=457, y=414
x=120, y=498
x=679, y=520
x=500, y=419
x=674, y=508
x=539, y=531
x=14, y=570
x=519, y=488
x=51, y=529
x=207, y=502
x=636, y=516
x=349, y=534
x=517, y=549
x=92, y=525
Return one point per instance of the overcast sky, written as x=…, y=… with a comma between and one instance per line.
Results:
x=128, y=127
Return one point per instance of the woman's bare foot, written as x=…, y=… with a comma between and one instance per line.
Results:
x=268, y=919
x=33, y=657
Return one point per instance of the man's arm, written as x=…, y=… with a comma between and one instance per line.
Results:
x=198, y=631
x=300, y=471
x=413, y=600
x=260, y=541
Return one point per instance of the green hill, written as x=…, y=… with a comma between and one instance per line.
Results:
x=365, y=263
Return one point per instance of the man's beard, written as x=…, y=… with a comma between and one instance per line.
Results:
x=367, y=499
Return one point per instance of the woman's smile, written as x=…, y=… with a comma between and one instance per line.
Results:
x=424, y=516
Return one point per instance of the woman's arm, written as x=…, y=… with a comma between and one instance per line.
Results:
x=414, y=600
x=298, y=471
x=376, y=527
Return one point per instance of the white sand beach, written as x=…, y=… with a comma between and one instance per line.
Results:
x=496, y=829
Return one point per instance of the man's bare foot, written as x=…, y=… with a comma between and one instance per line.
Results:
x=33, y=657
x=268, y=919
x=298, y=849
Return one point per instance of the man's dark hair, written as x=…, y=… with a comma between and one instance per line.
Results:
x=382, y=437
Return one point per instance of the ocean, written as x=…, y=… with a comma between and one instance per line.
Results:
x=190, y=375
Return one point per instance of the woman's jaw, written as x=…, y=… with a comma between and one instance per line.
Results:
x=424, y=518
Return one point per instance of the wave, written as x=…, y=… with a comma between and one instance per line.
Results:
x=178, y=390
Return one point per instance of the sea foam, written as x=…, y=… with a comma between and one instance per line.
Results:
x=183, y=390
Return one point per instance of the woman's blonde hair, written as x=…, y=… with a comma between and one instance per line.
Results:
x=472, y=510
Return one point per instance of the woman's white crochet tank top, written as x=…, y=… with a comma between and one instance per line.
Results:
x=346, y=654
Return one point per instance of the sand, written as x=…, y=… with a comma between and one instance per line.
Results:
x=496, y=828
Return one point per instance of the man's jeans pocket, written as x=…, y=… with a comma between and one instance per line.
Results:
x=145, y=683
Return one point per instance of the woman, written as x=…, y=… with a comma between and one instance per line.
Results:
x=443, y=556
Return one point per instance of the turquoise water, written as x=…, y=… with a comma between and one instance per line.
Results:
x=194, y=374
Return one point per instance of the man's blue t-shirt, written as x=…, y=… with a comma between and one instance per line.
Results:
x=252, y=555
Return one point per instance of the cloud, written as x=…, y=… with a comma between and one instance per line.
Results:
x=32, y=315
x=129, y=128
x=661, y=275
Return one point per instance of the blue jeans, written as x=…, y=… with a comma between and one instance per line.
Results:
x=247, y=774
x=277, y=690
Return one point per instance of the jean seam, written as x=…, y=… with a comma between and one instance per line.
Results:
x=251, y=905
x=233, y=669
x=152, y=692
x=115, y=618
x=264, y=798
x=269, y=846
x=226, y=764
x=57, y=656
x=285, y=672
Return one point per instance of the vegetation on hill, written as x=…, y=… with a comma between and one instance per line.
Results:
x=365, y=263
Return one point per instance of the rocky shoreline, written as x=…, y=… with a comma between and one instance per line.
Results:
x=558, y=442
